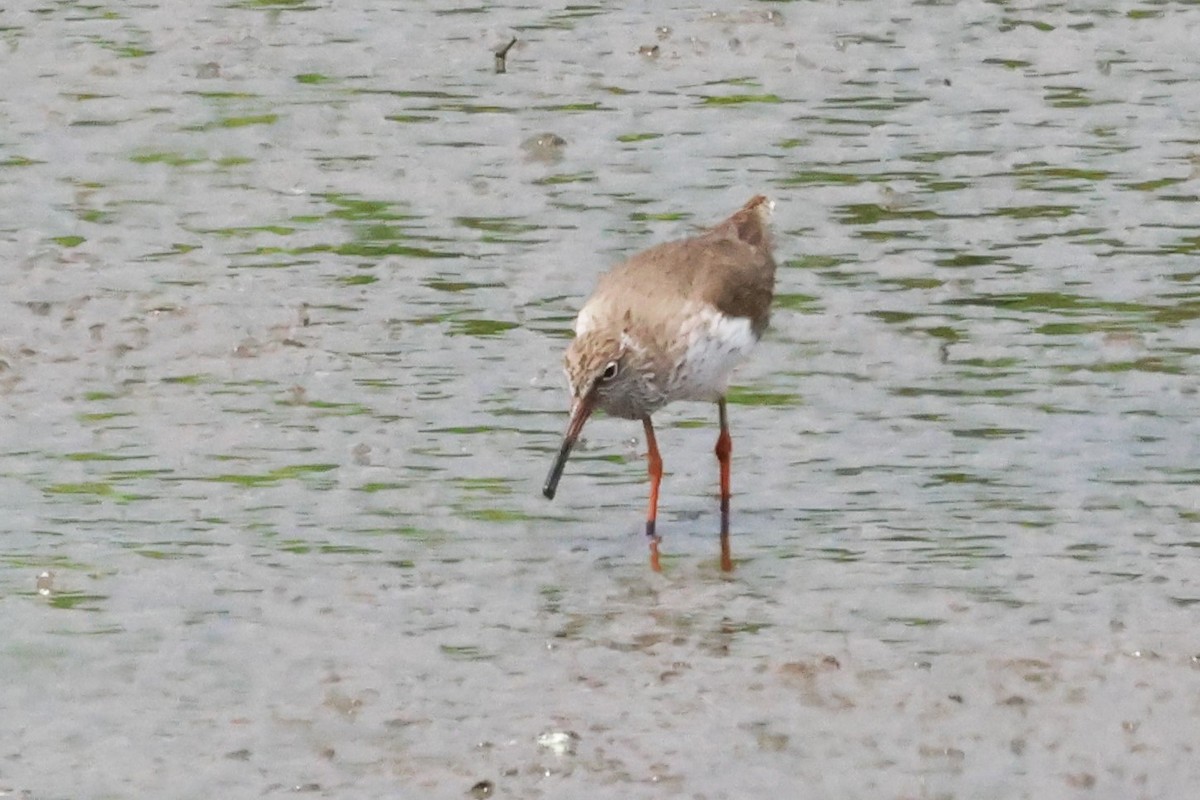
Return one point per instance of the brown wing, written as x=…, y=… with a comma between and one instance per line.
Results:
x=728, y=266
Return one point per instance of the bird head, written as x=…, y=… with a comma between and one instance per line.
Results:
x=596, y=372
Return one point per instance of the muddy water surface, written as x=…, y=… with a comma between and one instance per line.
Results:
x=285, y=288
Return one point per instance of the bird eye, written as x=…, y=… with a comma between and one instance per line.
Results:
x=610, y=371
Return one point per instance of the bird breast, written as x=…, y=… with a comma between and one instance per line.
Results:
x=715, y=343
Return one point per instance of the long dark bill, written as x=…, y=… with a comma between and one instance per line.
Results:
x=581, y=409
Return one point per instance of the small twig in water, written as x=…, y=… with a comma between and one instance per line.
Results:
x=502, y=55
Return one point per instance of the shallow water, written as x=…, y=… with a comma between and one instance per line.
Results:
x=286, y=287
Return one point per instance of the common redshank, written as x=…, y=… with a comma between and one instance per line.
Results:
x=671, y=323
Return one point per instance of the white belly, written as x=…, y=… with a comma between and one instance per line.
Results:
x=716, y=343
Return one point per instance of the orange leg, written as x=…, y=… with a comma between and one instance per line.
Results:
x=656, y=472
x=724, y=450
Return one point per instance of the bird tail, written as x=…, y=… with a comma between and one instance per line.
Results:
x=753, y=222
